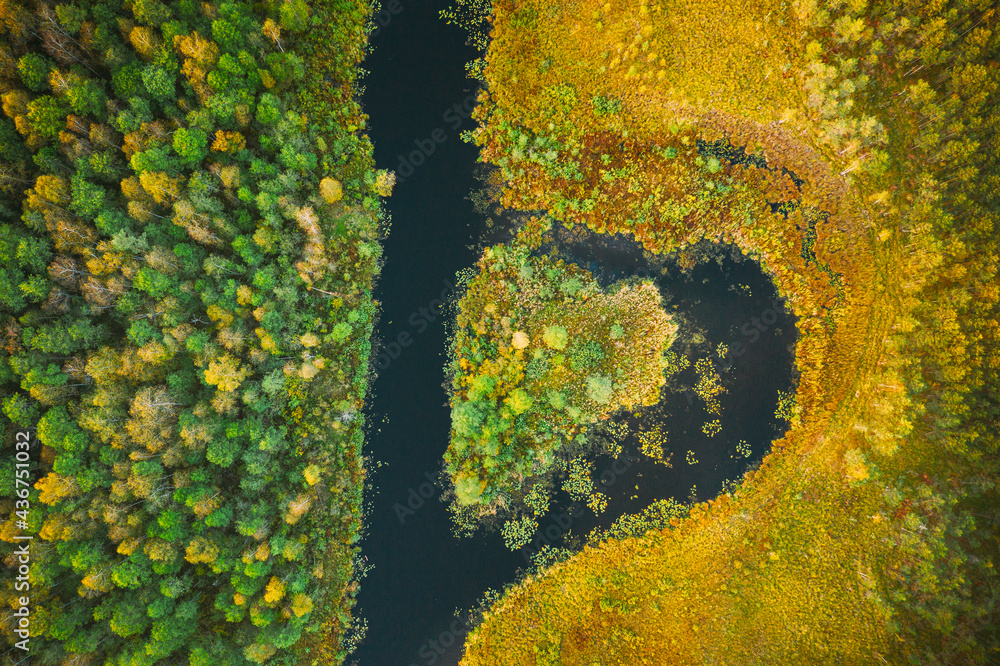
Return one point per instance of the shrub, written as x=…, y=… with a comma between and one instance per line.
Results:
x=468, y=488
x=599, y=389
x=555, y=337
x=605, y=106
x=519, y=401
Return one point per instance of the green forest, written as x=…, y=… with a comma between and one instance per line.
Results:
x=191, y=227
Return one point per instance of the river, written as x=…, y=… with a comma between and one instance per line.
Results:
x=418, y=99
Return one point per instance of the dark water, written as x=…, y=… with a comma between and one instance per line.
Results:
x=421, y=573
x=724, y=299
x=417, y=97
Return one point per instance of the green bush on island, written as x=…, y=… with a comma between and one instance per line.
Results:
x=540, y=353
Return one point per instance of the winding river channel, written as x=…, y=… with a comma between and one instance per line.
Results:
x=418, y=99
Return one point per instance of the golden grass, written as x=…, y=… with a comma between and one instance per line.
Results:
x=741, y=58
x=797, y=565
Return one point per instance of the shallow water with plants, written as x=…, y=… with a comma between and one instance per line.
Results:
x=733, y=328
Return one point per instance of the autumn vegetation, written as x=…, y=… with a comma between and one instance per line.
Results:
x=852, y=149
x=539, y=354
x=189, y=228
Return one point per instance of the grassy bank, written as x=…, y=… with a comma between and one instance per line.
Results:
x=845, y=149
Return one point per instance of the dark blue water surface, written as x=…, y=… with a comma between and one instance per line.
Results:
x=418, y=97
x=420, y=574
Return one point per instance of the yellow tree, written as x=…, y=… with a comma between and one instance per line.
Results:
x=145, y=41
x=154, y=413
x=160, y=186
x=225, y=372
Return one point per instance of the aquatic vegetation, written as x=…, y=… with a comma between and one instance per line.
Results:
x=712, y=428
x=652, y=443
x=676, y=363
x=709, y=384
x=597, y=502
x=786, y=406
x=578, y=483
x=743, y=449
x=518, y=532
x=537, y=500
x=656, y=516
